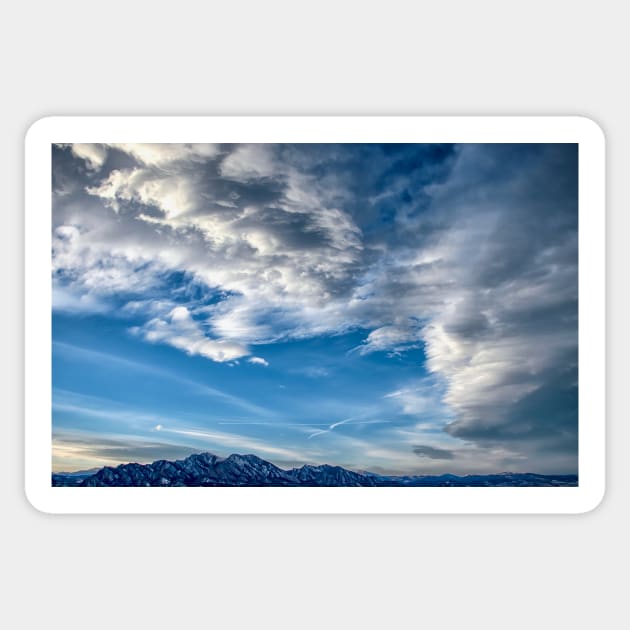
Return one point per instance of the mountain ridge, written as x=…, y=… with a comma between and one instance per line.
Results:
x=208, y=469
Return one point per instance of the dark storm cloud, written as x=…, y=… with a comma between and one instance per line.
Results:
x=542, y=213
x=513, y=314
x=432, y=452
x=548, y=413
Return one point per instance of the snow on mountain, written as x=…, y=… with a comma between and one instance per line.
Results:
x=206, y=469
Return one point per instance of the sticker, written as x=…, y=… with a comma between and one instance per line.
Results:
x=315, y=315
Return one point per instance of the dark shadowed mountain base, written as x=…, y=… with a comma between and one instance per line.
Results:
x=205, y=469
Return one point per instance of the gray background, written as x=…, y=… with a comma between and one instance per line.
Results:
x=283, y=58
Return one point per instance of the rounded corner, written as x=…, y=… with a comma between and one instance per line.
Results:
x=592, y=127
x=33, y=499
x=594, y=502
x=38, y=126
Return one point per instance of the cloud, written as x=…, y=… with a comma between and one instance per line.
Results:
x=85, y=270
x=423, y=450
x=392, y=339
x=139, y=434
x=94, y=155
x=250, y=161
x=178, y=329
x=423, y=399
x=76, y=451
x=173, y=194
x=313, y=371
x=508, y=332
x=238, y=442
x=70, y=351
x=160, y=154
x=147, y=154
x=258, y=361
x=67, y=301
x=259, y=243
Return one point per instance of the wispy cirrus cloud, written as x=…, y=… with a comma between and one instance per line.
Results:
x=101, y=358
x=72, y=450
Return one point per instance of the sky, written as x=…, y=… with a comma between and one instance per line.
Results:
x=397, y=308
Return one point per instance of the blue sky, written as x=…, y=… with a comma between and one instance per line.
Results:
x=394, y=308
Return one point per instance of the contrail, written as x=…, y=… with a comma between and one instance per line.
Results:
x=280, y=424
x=346, y=421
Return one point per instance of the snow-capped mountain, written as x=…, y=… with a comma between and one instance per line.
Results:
x=206, y=469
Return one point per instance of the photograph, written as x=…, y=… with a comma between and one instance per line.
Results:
x=300, y=314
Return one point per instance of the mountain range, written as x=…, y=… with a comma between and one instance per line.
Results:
x=206, y=469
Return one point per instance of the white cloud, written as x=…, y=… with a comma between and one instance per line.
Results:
x=94, y=155
x=86, y=272
x=68, y=301
x=250, y=161
x=313, y=371
x=173, y=194
x=393, y=339
x=178, y=329
x=147, y=154
x=160, y=154
x=280, y=259
x=258, y=361
x=422, y=400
